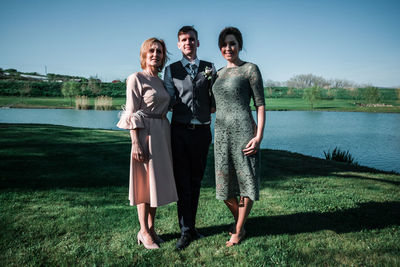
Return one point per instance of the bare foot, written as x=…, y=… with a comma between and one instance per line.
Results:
x=236, y=239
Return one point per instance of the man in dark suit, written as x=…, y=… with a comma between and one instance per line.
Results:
x=189, y=83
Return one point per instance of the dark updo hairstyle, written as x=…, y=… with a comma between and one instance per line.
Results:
x=230, y=30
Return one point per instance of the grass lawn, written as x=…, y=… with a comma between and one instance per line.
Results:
x=271, y=104
x=63, y=201
x=48, y=102
x=327, y=105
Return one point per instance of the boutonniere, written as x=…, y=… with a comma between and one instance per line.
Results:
x=207, y=73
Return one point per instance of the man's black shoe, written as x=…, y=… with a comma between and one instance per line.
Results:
x=196, y=235
x=183, y=242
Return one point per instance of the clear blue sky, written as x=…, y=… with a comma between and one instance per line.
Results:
x=358, y=40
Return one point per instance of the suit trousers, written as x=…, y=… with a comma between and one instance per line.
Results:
x=189, y=153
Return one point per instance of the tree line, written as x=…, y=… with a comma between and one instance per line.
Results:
x=308, y=86
x=313, y=88
x=302, y=81
x=15, y=75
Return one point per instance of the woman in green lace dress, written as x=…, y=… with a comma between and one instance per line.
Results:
x=237, y=136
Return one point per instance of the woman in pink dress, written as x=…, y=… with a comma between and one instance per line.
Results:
x=151, y=180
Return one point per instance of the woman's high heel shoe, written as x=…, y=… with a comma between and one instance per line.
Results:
x=140, y=240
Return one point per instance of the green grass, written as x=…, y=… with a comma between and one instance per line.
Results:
x=48, y=102
x=63, y=201
x=35, y=102
x=327, y=105
x=271, y=104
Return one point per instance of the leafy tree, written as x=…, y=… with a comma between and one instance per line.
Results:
x=25, y=90
x=306, y=81
x=312, y=94
x=268, y=92
x=11, y=71
x=372, y=95
x=271, y=83
x=340, y=83
x=354, y=93
x=94, y=85
x=70, y=89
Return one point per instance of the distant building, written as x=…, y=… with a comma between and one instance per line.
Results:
x=35, y=77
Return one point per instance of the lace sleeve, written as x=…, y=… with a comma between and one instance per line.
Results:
x=256, y=85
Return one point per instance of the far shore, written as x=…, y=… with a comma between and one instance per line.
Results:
x=272, y=104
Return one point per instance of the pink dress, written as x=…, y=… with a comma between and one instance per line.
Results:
x=146, y=105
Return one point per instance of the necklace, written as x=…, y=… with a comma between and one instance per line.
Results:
x=149, y=73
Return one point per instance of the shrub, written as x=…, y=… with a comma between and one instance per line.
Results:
x=268, y=92
x=113, y=89
x=371, y=95
x=312, y=95
x=339, y=155
x=330, y=94
x=25, y=90
x=290, y=92
x=13, y=88
x=70, y=89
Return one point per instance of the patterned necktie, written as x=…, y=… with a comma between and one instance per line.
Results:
x=192, y=68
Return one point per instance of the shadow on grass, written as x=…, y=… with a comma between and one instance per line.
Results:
x=278, y=166
x=367, y=216
x=370, y=215
x=368, y=178
x=49, y=156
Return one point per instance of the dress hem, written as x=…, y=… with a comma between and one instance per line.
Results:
x=159, y=205
x=224, y=198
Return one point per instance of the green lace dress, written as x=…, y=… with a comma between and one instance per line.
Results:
x=235, y=173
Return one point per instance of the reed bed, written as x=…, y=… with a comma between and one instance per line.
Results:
x=340, y=155
x=103, y=103
x=82, y=102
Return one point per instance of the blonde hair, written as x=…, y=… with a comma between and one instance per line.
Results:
x=144, y=49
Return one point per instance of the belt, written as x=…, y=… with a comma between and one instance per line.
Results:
x=190, y=126
x=155, y=116
x=140, y=114
x=150, y=115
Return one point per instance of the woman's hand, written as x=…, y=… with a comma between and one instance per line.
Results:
x=252, y=146
x=137, y=152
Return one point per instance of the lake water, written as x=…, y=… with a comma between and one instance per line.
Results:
x=372, y=138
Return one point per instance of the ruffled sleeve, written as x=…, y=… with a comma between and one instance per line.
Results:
x=130, y=118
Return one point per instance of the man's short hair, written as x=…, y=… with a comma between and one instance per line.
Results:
x=186, y=29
